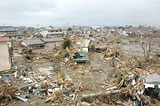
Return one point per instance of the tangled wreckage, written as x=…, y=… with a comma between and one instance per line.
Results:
x=97, y=77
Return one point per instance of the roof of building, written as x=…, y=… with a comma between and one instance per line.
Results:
x=52, y=39
x=5, y=39
x=8, y=30
x=5, y=63
x=33, y=42
x=50, y=29
x=14, y=34
x=153, y=79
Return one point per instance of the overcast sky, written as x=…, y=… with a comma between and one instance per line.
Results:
x=79, y=12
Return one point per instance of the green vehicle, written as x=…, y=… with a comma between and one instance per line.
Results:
x=80, y=57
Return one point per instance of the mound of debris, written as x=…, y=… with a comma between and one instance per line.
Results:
x=7, y=92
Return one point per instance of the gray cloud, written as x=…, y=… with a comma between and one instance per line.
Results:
x=79, y=12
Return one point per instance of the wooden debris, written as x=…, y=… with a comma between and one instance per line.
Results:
x=103, y=94
x=7, y=92
x=50, y=99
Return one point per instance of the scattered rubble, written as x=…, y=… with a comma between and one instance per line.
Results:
x=109, y=77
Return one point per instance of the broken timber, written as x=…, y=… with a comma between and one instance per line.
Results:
x=103, y=94
x=27, y=85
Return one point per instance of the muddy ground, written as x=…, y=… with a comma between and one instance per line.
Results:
x=89, y=74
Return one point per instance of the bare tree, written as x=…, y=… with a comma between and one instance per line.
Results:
x=147, y=47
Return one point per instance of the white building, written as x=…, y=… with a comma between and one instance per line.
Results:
x=5, y=61
x=51, y=32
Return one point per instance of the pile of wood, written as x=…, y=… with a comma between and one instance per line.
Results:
x=130, y=73
x=111, y=53
x=7, y=92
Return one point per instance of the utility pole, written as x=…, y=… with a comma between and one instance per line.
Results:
x=37, y=26
x=68, y=24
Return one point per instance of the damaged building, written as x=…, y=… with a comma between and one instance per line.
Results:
x=5, y=59
x=33, y=44
x=51, y=43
